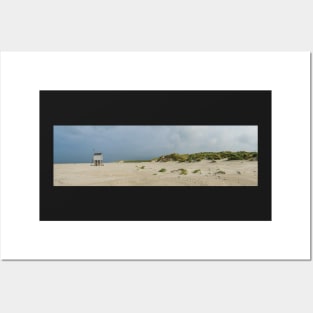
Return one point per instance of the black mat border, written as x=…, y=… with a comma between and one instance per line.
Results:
x=147, y=108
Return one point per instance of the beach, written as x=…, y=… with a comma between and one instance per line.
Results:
x=171, y=173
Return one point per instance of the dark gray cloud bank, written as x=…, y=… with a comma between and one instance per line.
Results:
x=76, y=143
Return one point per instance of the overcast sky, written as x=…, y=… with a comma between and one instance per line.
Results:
x=77, y=143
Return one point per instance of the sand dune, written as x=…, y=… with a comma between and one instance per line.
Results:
x=203, y=173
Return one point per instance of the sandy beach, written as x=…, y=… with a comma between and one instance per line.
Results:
x=203, y=173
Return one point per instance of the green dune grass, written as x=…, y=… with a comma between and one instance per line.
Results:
x=196, y=157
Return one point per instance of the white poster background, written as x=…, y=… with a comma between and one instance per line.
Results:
x=24, y=74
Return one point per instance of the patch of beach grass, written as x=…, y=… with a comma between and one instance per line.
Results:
x=197, y=171
x=183, y=171
x=220, y=172
x=162, y=170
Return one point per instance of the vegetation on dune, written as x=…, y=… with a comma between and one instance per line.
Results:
x=196, y=157
x=197, y=171
x=183, y=171
x=173, y=157
x=162, y=170
x=220, y=172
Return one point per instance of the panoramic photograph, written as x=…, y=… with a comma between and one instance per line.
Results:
x=188, y=155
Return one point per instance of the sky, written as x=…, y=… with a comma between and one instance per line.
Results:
x=76, y=144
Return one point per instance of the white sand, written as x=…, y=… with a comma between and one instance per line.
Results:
x=237, y=173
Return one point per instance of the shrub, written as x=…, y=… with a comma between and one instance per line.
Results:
x=162, y=170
